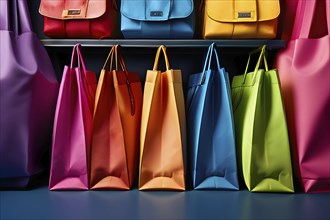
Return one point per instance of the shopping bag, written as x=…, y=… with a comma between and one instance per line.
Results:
x=163, y=130
x=304, y=71
x=28, y=93
x=261, y=131
x=73, y=125
x=210, y=127
x=116, y=131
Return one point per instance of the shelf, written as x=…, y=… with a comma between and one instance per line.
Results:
x=271, y=44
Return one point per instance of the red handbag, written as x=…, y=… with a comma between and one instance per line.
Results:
x=80, y=18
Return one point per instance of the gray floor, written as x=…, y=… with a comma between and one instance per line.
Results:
x=43, y=204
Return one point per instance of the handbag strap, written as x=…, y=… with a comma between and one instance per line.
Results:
x=18, y=12
x=262, y=55
x=161, y=48
x=327, y=11
x=128, y=84
x=308, y=15
x=304, y=18
x=4, y=15
x=24, y=16
x=289, y=9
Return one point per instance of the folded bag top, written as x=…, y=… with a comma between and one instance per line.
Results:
x=241, y=19
x=77, y=9
x=243, y=11
x=157, y=19
x=80, y=18
x=156, y=10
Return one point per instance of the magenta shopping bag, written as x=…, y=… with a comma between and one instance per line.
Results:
x=73, y=126
x=304, y=70
x=28, y=93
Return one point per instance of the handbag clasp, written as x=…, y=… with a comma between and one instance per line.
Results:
x=71, y=12
x=244, y=14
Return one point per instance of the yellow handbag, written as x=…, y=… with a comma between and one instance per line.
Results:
x=163, y=130
x=240, y=19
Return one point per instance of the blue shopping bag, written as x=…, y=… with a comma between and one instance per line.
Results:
x=210, y=127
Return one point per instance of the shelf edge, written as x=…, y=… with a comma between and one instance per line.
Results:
x=271, y=44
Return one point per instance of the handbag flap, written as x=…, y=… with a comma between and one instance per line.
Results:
x=156, y=10
x=72, y=9
x=242, y=10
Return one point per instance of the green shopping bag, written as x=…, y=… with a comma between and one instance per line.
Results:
x=261, y=130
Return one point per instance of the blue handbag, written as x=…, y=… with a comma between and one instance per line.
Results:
x=210, y=128
x=157, y=18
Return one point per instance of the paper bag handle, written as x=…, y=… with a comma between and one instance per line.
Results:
x=262, y=55
x=208, y=60
x=161, y=48
x=121, y=60
x=77, y=57
x=114, y=53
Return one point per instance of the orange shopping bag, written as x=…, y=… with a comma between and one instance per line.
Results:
x=163, y=130
x=117, y=120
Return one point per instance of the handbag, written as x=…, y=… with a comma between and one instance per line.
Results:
x=80, y=18
x=261, y=130
x=157, y=19
x=73, y=125
x=304, y=71
x=240, y=19
x=116, y=131
x=163, y=130
x=28, y=95
x=210, y=127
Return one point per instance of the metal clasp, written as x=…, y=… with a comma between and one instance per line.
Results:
x=71, y=12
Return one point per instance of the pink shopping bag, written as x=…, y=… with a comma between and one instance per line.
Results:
x=73, y=127
x=304, y=70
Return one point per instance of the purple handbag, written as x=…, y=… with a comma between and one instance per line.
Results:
x=28, y=93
